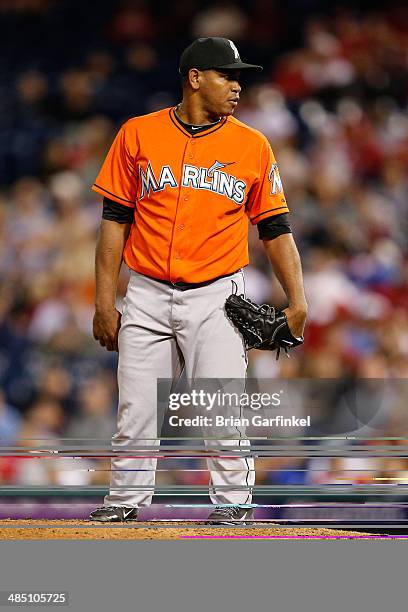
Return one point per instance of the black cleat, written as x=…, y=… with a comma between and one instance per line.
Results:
x=231, y=515
x=114, y=514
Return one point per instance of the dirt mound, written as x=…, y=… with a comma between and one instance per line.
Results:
x=160, y=530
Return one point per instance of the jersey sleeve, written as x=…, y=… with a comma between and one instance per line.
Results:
x=266, y=197
x=117, y=179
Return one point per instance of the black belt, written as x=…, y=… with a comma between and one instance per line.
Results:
x=184, y=286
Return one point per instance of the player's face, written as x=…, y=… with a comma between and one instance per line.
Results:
x=220, y=91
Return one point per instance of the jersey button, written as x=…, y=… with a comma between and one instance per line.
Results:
x=186, y=199
x=181, y=226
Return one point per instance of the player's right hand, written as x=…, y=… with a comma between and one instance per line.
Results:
x=106, y=325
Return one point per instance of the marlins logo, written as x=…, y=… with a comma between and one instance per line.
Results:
x=217, y=165
x=212, y=179
x=275, y=180
x=235, y=50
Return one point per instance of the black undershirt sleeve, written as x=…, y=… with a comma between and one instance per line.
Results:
x=272, y=227
x=113, y=211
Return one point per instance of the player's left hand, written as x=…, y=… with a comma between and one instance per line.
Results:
x=296, y=316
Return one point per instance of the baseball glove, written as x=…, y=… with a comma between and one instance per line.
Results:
x=262, y=327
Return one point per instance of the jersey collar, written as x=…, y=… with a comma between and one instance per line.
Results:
x=201, y=133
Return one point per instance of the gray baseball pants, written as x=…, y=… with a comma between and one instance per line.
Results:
x=165, y=330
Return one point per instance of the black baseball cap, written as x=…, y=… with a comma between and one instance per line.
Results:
x=212, y=53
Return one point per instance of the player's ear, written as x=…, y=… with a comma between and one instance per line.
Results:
x=194, y=78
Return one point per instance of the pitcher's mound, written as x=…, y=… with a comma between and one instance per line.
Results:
x=85, y=530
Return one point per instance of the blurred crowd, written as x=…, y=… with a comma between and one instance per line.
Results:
x=333, y=102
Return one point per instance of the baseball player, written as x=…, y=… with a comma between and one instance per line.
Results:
x=179, y=186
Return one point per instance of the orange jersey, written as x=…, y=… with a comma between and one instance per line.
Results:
x=192, y=194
